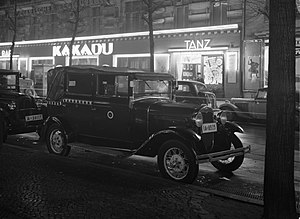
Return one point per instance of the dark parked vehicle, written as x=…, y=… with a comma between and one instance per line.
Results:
x=19, y=111
x=194, y=92
x=123, y=112
x=253, y=109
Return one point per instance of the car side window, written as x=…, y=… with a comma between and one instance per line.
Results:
x=106, y=85
x=80, y=83
x=122, y=85
x=261, y=95
x=183, y=90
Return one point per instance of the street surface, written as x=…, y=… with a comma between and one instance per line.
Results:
x=34, y=183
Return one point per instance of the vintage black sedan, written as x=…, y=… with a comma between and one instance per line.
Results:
x=123, y=112
x=20, y=113
x=194, y=92
x=253, y=109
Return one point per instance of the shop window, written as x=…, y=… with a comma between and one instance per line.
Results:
x=80, y=83
x=142, y=63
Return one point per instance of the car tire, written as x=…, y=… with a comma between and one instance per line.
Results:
x=56, y=141
x=232, y=163
x=231, y=116
x=177, y=162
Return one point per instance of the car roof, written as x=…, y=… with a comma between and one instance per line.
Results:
x=6, y=71
x=135, y=73
x=192, y=82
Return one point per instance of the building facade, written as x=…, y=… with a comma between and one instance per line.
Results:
x=193, y=39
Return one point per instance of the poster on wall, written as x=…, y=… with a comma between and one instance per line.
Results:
x=213, y=66
x=252, y=68
x=213, y=69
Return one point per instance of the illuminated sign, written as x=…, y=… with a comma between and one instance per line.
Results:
x=5, y=53
x=84, y=50
x=197, y=44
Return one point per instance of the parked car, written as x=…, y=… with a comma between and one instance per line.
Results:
x=123, y=112
x=253, y=109
x=194, y=92
x=18, y=110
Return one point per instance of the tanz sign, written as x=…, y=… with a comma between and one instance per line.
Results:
x=197, y=44
x=84, y=50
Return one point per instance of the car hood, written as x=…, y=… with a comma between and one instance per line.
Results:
x=162, y=106
x=159, y=114
x=8, y=94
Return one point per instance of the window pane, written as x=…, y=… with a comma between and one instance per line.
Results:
x=80, y=84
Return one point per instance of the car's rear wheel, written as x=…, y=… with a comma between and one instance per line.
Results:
x=56, y=141
x=232, y=163
x=177, y=162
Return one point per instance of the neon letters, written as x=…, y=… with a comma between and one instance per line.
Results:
x=84, y=50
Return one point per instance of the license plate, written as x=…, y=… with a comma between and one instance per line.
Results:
x=209, y=127
x=33, y=117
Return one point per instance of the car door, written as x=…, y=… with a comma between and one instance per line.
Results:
x=78, y=102
x=258, y=106
x=111, y=113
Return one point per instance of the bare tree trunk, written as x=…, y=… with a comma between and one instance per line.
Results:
x=74, y=31
x=151, y=37
x=279, y=191
x=14, y=29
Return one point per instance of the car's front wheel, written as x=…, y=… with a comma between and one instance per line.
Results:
x=177, y=162
x=232, y=163
x=56, y=141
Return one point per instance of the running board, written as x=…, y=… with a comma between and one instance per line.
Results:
x=119, y=153
x=222, y=155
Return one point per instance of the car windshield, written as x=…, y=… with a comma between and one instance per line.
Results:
x=156, y=88
x=201, y=87
x=8, y=82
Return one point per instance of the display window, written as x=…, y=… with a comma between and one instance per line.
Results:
x=4, y=63
x=83, y=60
x=142, y=62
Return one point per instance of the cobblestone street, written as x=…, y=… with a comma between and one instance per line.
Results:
x=34, y=184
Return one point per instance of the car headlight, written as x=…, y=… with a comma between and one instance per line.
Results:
x=223, y=117
x=198, y=119
x=12, y=105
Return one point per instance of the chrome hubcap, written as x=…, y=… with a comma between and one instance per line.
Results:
x=176, y=163
x=56, y=141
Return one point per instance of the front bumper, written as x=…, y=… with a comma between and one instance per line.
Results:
x=204, y=158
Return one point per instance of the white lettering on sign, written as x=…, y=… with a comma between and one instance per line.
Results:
x=84, y=50
x=5, y=53
x=198, y=44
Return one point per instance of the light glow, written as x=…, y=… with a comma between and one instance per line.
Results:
x=198, y=50
x=134, y=34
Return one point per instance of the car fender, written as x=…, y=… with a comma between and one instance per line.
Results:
x=151, y=146
x=233, y=127
x=229, y=105
x=51, y=120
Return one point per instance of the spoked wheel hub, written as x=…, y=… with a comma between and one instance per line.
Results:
x=176, y=164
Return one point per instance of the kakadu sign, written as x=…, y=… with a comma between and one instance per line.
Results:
x=84, y=50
